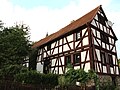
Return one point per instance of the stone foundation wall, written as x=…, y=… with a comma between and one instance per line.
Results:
x=106, y=80
x=105, y=83
x=117, y=80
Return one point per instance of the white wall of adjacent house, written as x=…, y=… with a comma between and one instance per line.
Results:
x=39, y=67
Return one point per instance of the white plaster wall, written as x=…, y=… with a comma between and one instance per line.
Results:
x=97, y=68
x=65, y=47
x=113, y=56
x=53, y=45
x=60, y=49
x=62, y=59
x=76, y=43
x=70, y=38
x=44, y=54
x=88, y=58
x=107, y=46
x=76, y=67
x=93, y=23
x=111, y=33
x=98, y=34
x=87, y=67
x=55, y=51
x=40, y=67
x=83, y=32
x=104, y=69
x=53, y=62
x=98, y=54
x=71, y=45
x=111, y=69
x=95, y=42
x=85, y=41
x=83, y=56
x=117, y=70
x=60, y=42
x=60, y=70
x=103, y=44
x=93, y=30
x=96, y=17
x=101, y=27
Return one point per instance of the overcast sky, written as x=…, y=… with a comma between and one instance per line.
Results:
x=44, y=16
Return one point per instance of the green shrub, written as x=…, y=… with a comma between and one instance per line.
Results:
x=34, y=77
x=29, y=77
x=11, y=70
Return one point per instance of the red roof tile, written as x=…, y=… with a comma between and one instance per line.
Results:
x=72, y=26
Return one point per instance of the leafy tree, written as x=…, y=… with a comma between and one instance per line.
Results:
x=10, y=71
x=33, y=58
x=14, y=45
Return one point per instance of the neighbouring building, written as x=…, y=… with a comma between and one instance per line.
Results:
x=86, y=43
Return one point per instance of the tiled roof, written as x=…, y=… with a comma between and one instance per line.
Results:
x=72, y=26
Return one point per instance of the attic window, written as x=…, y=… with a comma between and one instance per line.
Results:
x=104, y=38
x=101, y=19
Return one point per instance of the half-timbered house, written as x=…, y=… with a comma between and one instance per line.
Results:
x=86, y=43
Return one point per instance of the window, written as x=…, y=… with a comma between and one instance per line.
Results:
x=110, y=60
x=101, y=19
x=48, y=47
x=103, y=58
x=67, y=60
x=77, y=58
x=104, y=38
x=77, y=36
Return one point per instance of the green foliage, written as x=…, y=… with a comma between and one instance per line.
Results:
x=34, y=77
x=61, y=81
x=79, y=75
x=70, y=76
x=29, y=77
x=11, y=70
x=33, y=58
x=107, y=86
x=14, y=45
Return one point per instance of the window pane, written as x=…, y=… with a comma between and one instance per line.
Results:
x=110, y=59
x=77, y=58
x=103, y=58
x=104, y=38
